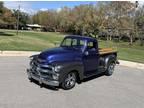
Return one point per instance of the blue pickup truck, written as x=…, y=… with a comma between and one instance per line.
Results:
x=78, y=57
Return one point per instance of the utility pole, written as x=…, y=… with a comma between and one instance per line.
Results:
x=135, y=22
x=18, y=19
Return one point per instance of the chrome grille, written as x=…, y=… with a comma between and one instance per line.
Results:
x=38, y=69
x=34, y=68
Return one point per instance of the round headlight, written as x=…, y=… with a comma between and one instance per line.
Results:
x=57, y=68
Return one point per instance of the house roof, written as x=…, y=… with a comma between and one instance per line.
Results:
x=34, y=25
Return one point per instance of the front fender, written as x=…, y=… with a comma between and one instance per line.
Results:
x=69, y=66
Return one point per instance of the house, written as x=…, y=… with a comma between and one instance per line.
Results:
x=36, y=27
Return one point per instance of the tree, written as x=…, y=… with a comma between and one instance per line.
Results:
x=1, y=7
x=121, y=16
x=1, y=12
x=92, y=18
x=7, y=20
x=23, y=17
x=140, y=24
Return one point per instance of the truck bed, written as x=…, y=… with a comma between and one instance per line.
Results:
x=103, y=51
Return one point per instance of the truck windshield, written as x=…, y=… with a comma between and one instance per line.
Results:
x=73, y=43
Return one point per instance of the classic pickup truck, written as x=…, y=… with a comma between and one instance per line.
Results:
x=78, y=57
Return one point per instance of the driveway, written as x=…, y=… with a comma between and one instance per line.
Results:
x=124, y=89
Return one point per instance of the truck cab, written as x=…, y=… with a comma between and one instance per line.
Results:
x=78, y=57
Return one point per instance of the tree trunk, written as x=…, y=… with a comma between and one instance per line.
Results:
x=82, y=31
x=107, y=37
x=141, y=41
x=131, y=40
x=110, y=37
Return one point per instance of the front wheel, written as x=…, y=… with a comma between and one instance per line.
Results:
x=69, y=81
x=110, y=68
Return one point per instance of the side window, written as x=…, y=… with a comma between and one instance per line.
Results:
x=91, y=46
x=82, y=43
x=67, y=42
x=74, y=42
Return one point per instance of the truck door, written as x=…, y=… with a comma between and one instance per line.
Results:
x=91, y=58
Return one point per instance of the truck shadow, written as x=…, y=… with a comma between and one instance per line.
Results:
x=45, y=86
x=57, y=88
x=93, y=77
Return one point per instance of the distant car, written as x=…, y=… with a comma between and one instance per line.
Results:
x=78, y=57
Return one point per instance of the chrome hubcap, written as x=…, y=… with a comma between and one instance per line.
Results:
x=70, y=80
x=111, y=68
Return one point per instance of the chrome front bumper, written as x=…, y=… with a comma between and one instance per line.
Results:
x=41, y=79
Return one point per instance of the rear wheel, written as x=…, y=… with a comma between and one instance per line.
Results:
x=110, y=68
x=69, y=81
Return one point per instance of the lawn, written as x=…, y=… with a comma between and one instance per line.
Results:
x=28, y=40
x=38, y=41
x=125, y=51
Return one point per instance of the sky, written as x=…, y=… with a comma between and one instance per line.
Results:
x=32, y=7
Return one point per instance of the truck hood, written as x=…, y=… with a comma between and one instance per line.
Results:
x=59, y=54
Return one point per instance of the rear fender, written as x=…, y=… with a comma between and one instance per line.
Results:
x=108, y=58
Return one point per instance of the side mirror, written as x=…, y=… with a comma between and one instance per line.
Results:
x=86, y=53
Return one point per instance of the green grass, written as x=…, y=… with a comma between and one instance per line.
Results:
x=125, y=51
x=28, y=40
x=38, y=41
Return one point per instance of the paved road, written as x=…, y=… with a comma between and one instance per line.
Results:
x=125, y=89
